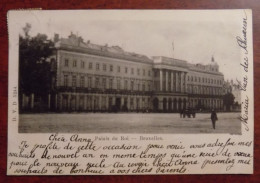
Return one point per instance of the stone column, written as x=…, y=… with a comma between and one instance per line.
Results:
x=128, y=102
x=181, y=80
x=113, y=100
x=107, y=102
x=161, y=80
x=166, y=81
x=77, y=102
x=177, y=81
x=160, y=104
x=172, y=81
x=100, y=101
x=49, y=101
x=85, y=102
x=68, y=104
x=122, y=100
x=184, y=83
x=134, y=102
x=32, y=101
x=56, y=101
x=60, y=102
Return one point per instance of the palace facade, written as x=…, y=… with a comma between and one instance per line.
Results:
x=90, y=77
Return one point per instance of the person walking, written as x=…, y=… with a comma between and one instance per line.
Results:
x=214, y=118
x=181, y=113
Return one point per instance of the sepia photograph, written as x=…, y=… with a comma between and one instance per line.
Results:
x=129, y=74
x=130, y=92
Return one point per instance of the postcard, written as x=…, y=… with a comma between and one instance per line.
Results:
x=130, y=92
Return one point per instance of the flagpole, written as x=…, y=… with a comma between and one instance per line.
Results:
x=173, y=49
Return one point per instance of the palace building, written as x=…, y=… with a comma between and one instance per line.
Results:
x=90, y=77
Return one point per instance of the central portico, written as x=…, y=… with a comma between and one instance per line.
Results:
x=170, y=84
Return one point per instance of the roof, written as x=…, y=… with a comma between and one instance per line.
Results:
x=75, y=43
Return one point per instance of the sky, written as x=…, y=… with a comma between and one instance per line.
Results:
x=191, y=36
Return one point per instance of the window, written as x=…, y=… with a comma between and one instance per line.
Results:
x=103, y=102
x=90, y=65
x=138, y=72
x=82, y=64
x=143, y=72
x=96, y=102
x=132, y=85
x=104, y=83
x=89, y=102
x=97, y=66
x=132, y=70
x=97, y=83
x=143, y=87
x=110, y=102
x=74, y=81
x=104, y=67
x=74, y=63
x=149, y=87
x=82, y=81
x=65, y=80
x=118, y=84
x=118, y=68
x=131, y=101
x=149, y=73
x=111, y=68
x=110, y=83
x=90, y=82
x=138, y=86
x=126, y=83
x=126, y=70
x=66, y=63
x=137, y=103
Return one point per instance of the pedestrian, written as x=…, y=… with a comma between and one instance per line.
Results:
x=214, y=118
x=181, y=113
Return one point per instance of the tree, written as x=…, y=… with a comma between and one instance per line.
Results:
x=34, y=67
x=35, y=75
x=228, y=100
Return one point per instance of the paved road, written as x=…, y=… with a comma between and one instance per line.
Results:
x=146, y=123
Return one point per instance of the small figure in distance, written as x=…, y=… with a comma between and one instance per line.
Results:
x=214, y=118
x=181, y=113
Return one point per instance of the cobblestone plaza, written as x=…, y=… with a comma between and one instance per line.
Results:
x=139, y=123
